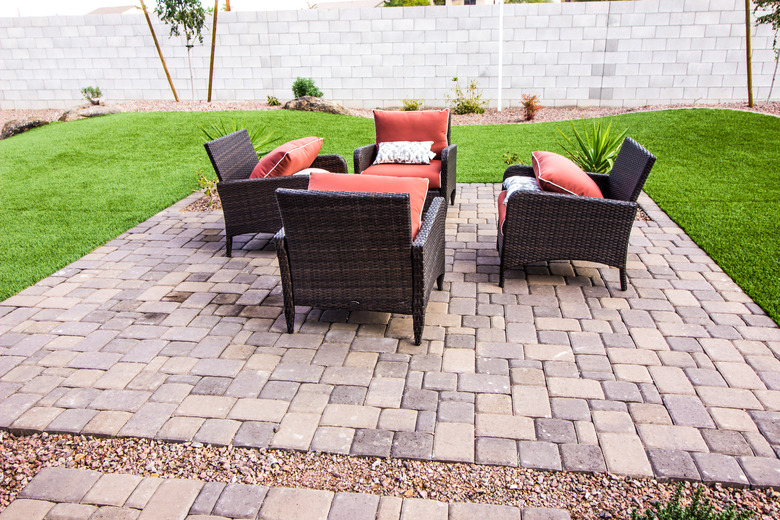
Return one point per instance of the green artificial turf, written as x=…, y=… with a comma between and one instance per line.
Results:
x=67, y=188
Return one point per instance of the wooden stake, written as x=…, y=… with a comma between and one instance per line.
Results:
x=749, y=54
x=213, y=45
x=159, y=52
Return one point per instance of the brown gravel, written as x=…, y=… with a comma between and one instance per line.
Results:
x=585, y=496
x=490, y=117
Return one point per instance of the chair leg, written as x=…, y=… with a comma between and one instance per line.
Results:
x=452, y=198
x=418, y=322
x=289, y=316
x=440, y=281
x=623, y=279
x=228, y=246
x=501, y=276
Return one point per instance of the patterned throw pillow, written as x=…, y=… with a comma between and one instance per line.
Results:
x=519, y=183
x=405, y=152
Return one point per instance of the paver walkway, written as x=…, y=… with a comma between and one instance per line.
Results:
x=71, y=494
x=157, y=334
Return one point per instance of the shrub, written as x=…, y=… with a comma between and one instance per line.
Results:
x=273, y=101
x=596, y=151
x=696, y=510
x=208, y=187
x=305, y=87
x=531, y=105
x=261, y=136
x=468, y=100
x=92, y=94
x=410, y=104
x=511, y=158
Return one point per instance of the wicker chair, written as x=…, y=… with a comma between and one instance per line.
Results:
x=249, y=205
x=365, y=156
x=542, y=226
x=354, y=251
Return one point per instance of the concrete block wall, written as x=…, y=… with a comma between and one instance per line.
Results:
x=585, y=54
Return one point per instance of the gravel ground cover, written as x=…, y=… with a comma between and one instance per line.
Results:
x=490, y=117
x=585, y=496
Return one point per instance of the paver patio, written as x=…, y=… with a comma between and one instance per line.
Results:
x=157, y=334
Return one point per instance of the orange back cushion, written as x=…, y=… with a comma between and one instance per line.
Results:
x=557, y=173
x=416, y=188
x=426, y=125
x=289, y=158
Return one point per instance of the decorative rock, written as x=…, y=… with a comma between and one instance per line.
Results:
x=313, y=104
x=17, y=126
x=87, y=111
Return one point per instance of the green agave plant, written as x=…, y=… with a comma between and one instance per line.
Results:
x=595, y=151
x=261, y=136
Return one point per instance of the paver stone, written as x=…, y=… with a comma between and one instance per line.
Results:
x=240, y=501
x=303, y=504
x=354, y=506
x=60, y=484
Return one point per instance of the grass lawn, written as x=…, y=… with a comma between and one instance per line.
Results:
x=67, y=188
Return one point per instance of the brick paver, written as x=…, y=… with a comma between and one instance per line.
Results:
x=555, y=371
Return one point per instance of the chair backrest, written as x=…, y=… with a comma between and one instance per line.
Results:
x=413, y=126
x=232, y=156
x=630, y=171
x=347, y=245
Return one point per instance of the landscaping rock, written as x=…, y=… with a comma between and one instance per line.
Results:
x=313, y=104
x=87, y=111
x=17, y=126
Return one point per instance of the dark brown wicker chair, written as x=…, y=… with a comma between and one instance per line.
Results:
x=365, y=156
x=249, y=205
x=541, y=226
x=354, y=251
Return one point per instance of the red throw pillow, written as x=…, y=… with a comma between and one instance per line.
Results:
x=416, y=188
x=557, y=173
x=289, y=158
x=425, y=125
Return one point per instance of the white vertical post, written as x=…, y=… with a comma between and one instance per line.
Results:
x=500, y=50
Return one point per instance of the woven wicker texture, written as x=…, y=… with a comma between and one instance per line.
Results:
x=249, y=205
x=354, y=251
x=364, y=157
x=542, y=226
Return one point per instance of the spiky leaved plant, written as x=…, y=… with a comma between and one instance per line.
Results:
x=594, y=151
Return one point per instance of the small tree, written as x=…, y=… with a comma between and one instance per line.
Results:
x=770, y=13
x=186, y=16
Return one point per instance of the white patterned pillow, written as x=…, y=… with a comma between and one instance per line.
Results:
x=405, y=152
x=519, y=183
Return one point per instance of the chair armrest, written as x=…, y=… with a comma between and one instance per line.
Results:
x=259, y=189
x=449, y=156
x=363, y=157
x=428, y=245
x=519, y=169
x=333, y=163
x=567, y=210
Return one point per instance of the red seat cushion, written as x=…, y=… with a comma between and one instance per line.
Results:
x=425, y=125
x=501, y=210
x=416, y=188
x=432, y=171
x=557, y=173
x=289, y=158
